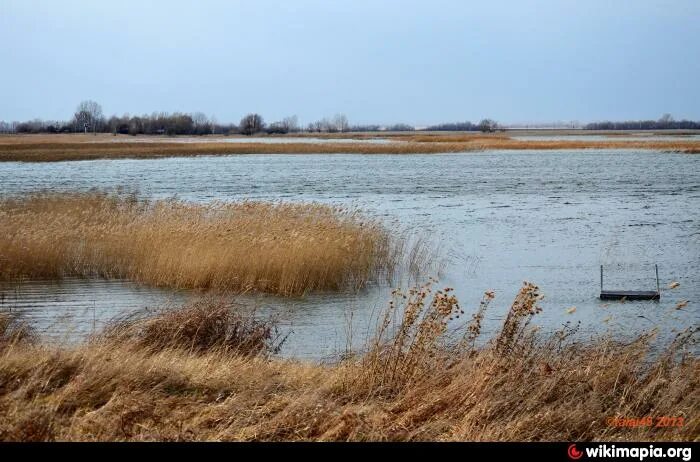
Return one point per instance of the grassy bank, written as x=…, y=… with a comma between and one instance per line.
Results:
x=204, y=373
x=51, y=148
x=280, y=248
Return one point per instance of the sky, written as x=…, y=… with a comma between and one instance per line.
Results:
x=377, y=61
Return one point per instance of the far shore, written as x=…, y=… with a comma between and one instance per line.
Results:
x=65, y=147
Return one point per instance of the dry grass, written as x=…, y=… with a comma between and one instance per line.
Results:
x=415, y=382
x=209, y=324
x=452, y=137
x=13, y=330
x=51, y=148
x=281, y=248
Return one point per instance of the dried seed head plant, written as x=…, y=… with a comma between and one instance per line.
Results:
x=204, y=372
x=519, y=316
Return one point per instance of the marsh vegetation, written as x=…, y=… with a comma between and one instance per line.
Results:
x=53, y=148
x=203, y=372
x=209, y=371
x=274, y=247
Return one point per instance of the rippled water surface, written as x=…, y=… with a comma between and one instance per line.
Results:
x=501, y=217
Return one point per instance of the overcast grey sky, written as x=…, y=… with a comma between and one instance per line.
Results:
x=377, y=61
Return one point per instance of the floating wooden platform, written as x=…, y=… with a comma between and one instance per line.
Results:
x=630, y=295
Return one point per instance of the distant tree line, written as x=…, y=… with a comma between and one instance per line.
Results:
x=453, y=127
x=666, y=122
x=485, y=125
x=35, y=126
x=89, y=118
x=337, y=124
x=162, y=123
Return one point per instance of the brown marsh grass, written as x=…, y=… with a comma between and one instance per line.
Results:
x=280, y=248
x=51, y=148
x=416, y=381
x=210, y=323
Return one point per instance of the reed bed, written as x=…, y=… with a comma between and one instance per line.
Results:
x=452, y=138
x=418, y=380
x=55, y=148
x=211, y=323
x=279, y=248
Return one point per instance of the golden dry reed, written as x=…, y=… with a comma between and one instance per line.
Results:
x=52, y=148
x=280, y=248
x=190, y=375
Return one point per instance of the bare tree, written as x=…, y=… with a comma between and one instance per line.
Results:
x=326, y=125
x=488, y=125
x=202, y=125
x=251, y=124
x=291, y=124
x=341, y=123
x=286, y=125
x=88, y=116
x=665, y=121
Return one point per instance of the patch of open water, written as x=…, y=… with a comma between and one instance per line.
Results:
x=501, y=217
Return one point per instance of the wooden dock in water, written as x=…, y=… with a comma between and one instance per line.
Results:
x=630, y=294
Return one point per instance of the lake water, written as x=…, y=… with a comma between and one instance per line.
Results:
x=500, y=217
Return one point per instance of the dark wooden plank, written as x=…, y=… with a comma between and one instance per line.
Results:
x=629, y=295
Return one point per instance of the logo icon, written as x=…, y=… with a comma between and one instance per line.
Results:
x=574, y=453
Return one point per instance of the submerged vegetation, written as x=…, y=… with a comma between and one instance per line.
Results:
x=203, y=373
x=280, y=248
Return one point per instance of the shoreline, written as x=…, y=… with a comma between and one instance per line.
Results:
x=206, y=372
x=56, y=148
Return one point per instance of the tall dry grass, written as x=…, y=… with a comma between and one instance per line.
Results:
x=280, y=248
x=13, y=329
x=418, y=380
x=209, y=324
x=53, y=148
